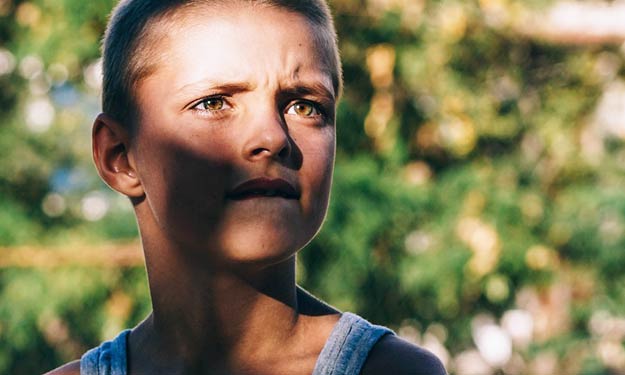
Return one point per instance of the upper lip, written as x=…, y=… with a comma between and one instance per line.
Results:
x=264, y=186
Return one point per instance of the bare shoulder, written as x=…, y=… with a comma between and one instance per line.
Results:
x=72, y=368
x=392, y=355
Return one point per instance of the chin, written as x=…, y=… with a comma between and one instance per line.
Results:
x=262, y=246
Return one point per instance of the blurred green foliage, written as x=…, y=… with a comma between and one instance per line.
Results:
x=477, y=182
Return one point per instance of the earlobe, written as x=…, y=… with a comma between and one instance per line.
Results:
x=111, y=145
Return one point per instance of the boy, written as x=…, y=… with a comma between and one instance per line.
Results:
x=219, y=126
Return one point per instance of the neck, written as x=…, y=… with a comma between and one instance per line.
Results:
x=208, y=316
x=224, y=302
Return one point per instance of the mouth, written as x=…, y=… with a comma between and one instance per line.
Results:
x=264, y=188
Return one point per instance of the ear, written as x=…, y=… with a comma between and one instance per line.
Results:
x=111, y=145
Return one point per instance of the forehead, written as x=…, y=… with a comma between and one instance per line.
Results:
x=240, y=41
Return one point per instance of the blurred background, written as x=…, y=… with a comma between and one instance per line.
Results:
x=478, y=206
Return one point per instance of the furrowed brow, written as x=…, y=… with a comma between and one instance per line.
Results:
x=316, y=89
x=204, y=87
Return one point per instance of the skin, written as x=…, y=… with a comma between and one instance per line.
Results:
x=222, y=271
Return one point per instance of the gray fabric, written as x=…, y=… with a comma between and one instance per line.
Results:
x=107, y=359
x=348, y=346
x=344, y=353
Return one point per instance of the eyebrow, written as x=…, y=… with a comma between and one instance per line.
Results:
x=291, y=89
x=201, y=87
x=306, y=88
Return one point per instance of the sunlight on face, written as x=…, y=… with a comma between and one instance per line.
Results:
x=236, y=141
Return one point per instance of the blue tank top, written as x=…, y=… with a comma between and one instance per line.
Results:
x=344, y=353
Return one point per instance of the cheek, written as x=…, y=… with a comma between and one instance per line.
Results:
x=177, y=154
x=318, y=165
x=184, y=180
x=321, y=153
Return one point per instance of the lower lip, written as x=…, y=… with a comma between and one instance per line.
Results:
x=258, y=196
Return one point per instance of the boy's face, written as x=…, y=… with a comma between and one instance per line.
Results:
x=236, y=141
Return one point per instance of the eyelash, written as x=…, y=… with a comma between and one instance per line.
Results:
x=211, y=112
x=316, y=108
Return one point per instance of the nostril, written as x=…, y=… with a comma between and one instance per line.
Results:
x=281, y=151
x=258, y=151
x=285, y=151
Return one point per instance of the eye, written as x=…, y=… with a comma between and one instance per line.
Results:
x=212, y=104
x=303, y=108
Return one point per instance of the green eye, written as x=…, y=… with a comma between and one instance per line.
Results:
x=304, y=109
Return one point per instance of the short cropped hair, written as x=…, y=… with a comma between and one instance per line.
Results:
x=130, y=51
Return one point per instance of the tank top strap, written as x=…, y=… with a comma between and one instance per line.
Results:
x=348, y=346
x=107, y=359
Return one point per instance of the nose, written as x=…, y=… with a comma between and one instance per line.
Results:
x=268, y=138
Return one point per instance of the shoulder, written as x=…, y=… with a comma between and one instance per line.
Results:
x=392, y=355
x=72, y=368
